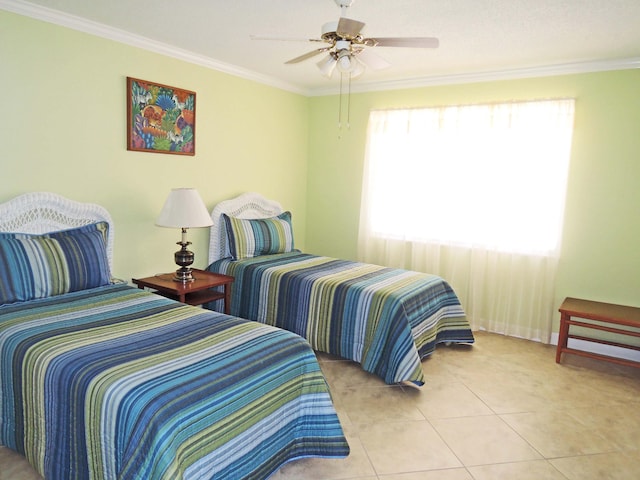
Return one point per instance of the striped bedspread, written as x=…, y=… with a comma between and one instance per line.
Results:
x=118, y=383
x=386, y=319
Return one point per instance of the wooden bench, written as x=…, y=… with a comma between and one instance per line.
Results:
x=601, y=316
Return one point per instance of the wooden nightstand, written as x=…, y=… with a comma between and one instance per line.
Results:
x=193, y=293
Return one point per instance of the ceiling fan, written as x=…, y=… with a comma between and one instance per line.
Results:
x=348, y=50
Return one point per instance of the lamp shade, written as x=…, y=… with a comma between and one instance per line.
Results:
x=184, y=208
x=327, y=65
x=344, y=61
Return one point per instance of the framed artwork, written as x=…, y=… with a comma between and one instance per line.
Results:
x=160, y=119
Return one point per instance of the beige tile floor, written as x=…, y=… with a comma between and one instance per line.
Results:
x=502, y=409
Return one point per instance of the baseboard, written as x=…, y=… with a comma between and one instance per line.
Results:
x=609, y=350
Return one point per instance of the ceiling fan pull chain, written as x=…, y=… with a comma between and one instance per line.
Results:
x=342, y=75
x=340, y=106
x=349, y=104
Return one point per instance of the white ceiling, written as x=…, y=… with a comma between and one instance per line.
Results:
x=478, y=38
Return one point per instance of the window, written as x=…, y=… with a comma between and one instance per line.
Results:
x=478, y=175
x=474, y=194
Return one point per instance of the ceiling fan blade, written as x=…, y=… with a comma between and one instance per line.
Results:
x=371, y=60
x=284, y=39
x=410, y=42
x=348, y=28
x=307, y=55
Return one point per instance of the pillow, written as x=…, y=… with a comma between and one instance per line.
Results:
x=260, y=236
x=39, y=266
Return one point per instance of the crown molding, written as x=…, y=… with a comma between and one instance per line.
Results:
x=73, y=22
x=489, y=76
x=94, y=28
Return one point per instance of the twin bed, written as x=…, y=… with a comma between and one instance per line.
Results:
x=101, y=380
x=386, y=319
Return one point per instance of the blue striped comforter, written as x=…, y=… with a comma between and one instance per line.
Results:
x=118, y=383
x=385, y=319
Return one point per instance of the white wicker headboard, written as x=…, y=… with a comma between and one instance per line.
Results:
x=43, y=212
x=247, y=205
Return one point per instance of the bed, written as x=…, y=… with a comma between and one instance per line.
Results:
x=101, y=380
x=386, y=319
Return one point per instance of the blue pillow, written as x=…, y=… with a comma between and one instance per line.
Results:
x=39, y=266
x=255, y=237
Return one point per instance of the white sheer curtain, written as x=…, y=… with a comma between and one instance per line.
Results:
x=474, y=194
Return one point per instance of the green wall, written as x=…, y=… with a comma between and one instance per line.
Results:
x=600, y=257
x=63, y=129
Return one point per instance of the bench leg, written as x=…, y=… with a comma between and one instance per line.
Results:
x=563, y=335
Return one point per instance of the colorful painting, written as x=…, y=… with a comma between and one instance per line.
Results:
x=160, y=119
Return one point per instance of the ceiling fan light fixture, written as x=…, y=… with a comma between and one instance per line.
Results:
x=347, y=62
x=327, y=65
x=345, y=65
x=343, y=56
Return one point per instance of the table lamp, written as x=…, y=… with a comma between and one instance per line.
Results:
x=184, y=209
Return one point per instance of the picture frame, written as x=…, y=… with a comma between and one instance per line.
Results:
x=160, y=118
